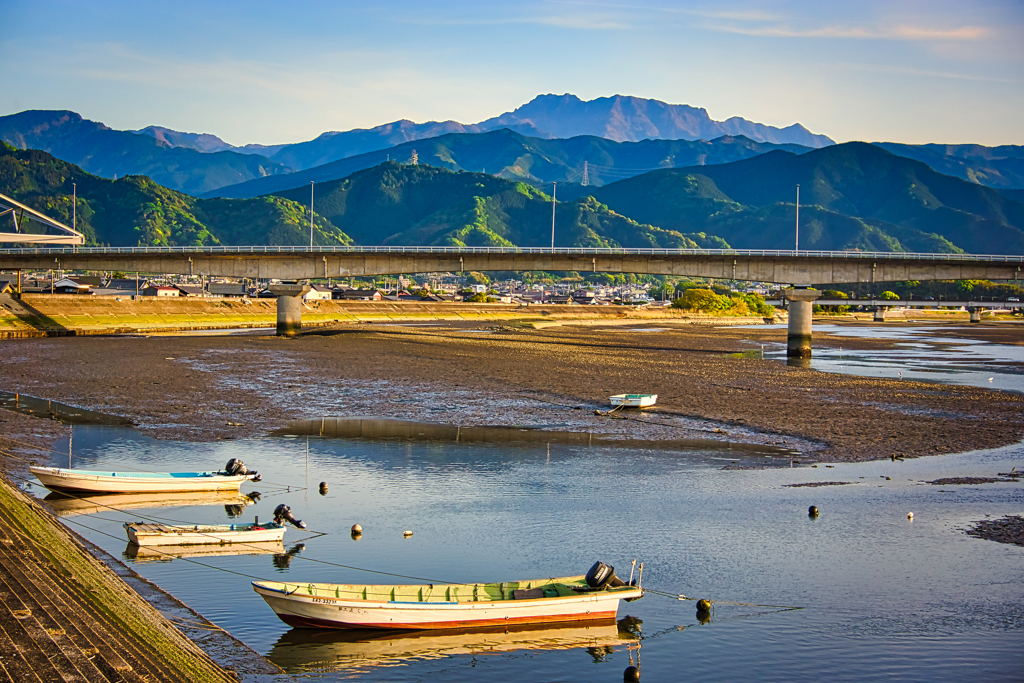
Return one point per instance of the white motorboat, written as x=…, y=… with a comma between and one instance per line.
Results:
x=634, y=400
x=105, y=481
x=147, y=534
x=594, y=596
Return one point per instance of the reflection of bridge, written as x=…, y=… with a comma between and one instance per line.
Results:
x=802, y=268
x=974, y=307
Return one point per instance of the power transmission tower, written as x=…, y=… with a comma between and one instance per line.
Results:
x=586, y=175
x=415, y=158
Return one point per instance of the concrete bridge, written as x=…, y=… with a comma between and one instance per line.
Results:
x=801, y=269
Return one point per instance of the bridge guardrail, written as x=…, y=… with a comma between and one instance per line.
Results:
x=582, y=251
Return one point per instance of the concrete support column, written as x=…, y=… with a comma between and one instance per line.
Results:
x=801, y=308
x=879, y=314
x=975, y=314
x=289, y=308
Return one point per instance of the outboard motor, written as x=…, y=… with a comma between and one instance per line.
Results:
x=283, y=512
x=236, y=466
x=602, y=576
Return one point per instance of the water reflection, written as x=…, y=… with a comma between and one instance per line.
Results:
x=69, y=504
x=166, y=553
x=308, y=650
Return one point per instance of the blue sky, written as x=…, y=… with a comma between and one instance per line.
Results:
x=272, y=72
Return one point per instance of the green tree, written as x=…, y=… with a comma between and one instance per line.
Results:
x=889, y=296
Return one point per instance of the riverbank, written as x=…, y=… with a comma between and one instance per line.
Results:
x=65, y=616
x=710, y=380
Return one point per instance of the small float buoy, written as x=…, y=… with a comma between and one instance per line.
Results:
x=356, y=529
x=630, y=674
x=910, y=515
x=888, y=478
x=407, y=533
x=323, y=488
x=812, y=511
x=703, y=605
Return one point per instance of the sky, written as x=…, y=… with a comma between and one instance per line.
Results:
x=274, y=72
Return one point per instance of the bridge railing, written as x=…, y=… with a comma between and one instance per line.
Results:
x=565, y=251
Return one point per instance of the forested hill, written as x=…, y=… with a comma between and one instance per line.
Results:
x=853, y=196
x=136, y=211
x=422, y=205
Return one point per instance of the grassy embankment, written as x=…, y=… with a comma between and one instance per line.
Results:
x=44, y=314
x=123, y=609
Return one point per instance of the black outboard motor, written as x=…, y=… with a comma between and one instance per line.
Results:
x=602, y=576
x=283, y=512
x=236, y=466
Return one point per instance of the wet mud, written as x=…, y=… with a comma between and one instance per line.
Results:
x=206, y=388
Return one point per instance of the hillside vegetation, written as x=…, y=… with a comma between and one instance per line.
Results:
x=136, y=211
x=423, y=205
x=853, y=196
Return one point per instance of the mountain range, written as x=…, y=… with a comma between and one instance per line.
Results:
x=853, y=196
x=510, y=155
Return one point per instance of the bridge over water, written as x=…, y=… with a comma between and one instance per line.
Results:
x=801, y=269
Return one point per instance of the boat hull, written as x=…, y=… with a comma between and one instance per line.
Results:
x=127, y=482
x=163, y=534
x=634, y=400
x=307, y=611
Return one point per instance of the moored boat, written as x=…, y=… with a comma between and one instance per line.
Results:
x=105, y=481
x=594, y=596
x=634, y=400
x=147, y=534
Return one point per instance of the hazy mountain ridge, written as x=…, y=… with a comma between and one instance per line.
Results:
x=629, y=119
x=105, y=152
x=136, y=211
x=514, y=156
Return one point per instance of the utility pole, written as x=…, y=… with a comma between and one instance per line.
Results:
x=74, y=206
x=554, y=191
x=796, y=249
x=311, y=214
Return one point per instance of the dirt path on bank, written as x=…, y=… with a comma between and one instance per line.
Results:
x=204, y=388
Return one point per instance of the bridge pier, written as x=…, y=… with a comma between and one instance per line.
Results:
x=975, y=314
x=289, y=308
x=880, y=314
x=801, y=309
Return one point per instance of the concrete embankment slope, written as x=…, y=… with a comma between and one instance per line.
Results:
x=65, y=616
x=42, y=315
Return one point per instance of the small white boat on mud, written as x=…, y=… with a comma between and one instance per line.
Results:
x=105, y=481
x=594, y=596
x=147, y=534
x=634, y=400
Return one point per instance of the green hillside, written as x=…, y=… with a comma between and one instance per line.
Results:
x=423, y=205
x=1000, y=167
x=135, y=210
x=853, y=196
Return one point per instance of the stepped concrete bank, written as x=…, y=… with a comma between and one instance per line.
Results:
x=66, y=616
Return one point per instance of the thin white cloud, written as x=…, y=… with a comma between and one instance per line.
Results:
x=860, y=32
x=910, y=71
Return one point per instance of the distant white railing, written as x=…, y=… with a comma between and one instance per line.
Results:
x=564, y=251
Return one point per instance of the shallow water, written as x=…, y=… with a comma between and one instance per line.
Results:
x=883, y=598
x=918, y=355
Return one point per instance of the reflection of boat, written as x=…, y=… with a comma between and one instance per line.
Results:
x=138, y=482
x=634, y=400
x=66, y=504
x=170, y=552
x=301, y=650
x=439, y=606
x=151, y=533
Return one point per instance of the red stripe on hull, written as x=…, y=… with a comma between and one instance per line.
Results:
x=310, y=622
